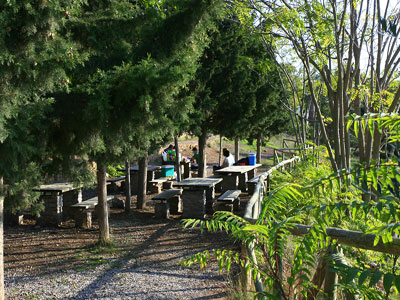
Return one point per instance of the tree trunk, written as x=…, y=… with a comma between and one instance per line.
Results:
x=258, y=158
x=1, y=240
x=142, y=182
x=128, y=186
x=177, y=160
x=220, y=150
x=236, y=149
x=102, y=207
x=202, y=154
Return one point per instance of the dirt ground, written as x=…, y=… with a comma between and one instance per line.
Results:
x=30, y=249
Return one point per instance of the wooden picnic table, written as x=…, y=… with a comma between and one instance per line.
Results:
x=235, y=177
x=197, y=196
x=57, y=199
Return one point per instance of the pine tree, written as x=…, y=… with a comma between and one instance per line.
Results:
x=122, y=100
x=34, y=56
x=234, y=96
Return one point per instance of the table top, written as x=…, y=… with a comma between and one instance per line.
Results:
x=56, y=187
x=238, y=169
x=136, y=168
x=198, y=182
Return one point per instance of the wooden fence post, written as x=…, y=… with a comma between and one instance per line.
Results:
x=330, y=276
x=245, y=277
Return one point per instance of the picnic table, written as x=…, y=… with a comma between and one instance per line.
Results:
x=197, y=196
x=153, y=172
x=235, y=177
x=57, y=199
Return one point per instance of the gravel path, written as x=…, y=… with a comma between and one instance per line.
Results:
x=127, y=282
x=146, y=267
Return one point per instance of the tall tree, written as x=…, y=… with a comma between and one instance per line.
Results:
x=124, y=95
x=355, y=52
x=231, y=87
x=35, y=56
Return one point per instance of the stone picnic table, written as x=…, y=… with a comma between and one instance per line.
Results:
x=153, y=172
x=197, y=196
x=235, y=177
x=57, y=199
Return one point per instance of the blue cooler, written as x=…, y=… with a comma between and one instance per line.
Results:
x=252, y=159
x=167, y=171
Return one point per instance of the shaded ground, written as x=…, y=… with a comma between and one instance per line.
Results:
x=142, y=242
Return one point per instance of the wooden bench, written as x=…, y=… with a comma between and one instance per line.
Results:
x=112, y=183
x=170, y=202
x=228, y=201
x=251, y=184
x=83, y=211
x=156, y=185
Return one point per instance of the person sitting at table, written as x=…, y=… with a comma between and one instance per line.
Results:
x=228, y=160
x=195, y=159
x=168, y=155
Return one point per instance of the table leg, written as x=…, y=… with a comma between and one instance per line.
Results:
x=134, y=183
x=193, y=204
x=230, y=182
x=242, y=182
x=150, y=176
x=53, y=207
x=210, y=196
x=251, y=174
x=70, y=198
x=186, y=171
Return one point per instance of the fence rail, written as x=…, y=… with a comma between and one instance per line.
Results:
x=352, y=238
x=253, y=207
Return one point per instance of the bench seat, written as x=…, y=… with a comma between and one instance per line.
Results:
x=116, y=179
x=251, y=184
x=83, y=211
x=113, y=184
x=156, y=185
x=254, y=179
x=170, y=202
x=164, y=196
x=228, y=201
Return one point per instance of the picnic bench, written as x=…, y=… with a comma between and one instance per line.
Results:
x=251, y=184
x=83, y=211
x=228, y=201
x=197, y=196
x=235, y=177
x=112, y=183
x=57, y=198
x=152, y=173
x=156, y=185
x=170, y=202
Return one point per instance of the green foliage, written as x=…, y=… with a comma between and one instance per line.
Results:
x=126, y=93
x=112, y=170
x=312, y=195
x=235, y=88
x=36, y=53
